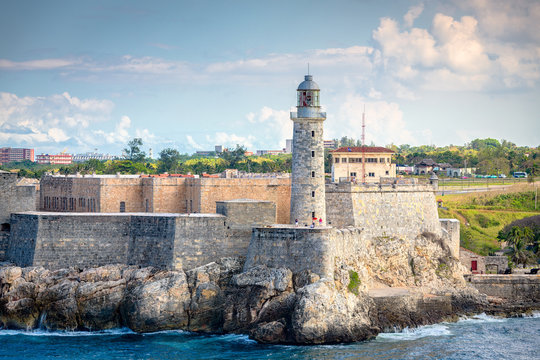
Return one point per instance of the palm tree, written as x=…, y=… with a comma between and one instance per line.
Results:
x=518, y=239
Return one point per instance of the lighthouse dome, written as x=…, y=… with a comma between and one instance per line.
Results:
x=308, y=84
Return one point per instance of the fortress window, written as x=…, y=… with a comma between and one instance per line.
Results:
x=353, y=174
x=387, y=172
x=371, y=174
x=313, y=194
x=336, y=160
x=5, y=227
x=381, y=160
x=312, y=133
x=312, y=214
x=313, y=174
x=312, y=153
x=344, y=160
x=122, y=206
x=146, y=205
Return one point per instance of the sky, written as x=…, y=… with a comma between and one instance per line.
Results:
x=86, y=76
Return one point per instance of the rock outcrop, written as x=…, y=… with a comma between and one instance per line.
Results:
x=389, y=284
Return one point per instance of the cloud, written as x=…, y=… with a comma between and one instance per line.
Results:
x=384, y=121
x=412, y=15
x=457, y=54
x=229, y=140
x=63, y=120
x=192, y=143
x=40, y=64
x=53, y=119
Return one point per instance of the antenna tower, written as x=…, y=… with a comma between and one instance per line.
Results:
x=364, y=146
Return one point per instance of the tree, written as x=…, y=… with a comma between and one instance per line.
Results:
x=133, y=150
x=233, y=157
x=518, y=239
x=169, y=160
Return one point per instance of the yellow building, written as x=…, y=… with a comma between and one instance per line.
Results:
x=347, y=164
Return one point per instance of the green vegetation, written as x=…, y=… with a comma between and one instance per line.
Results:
x=484, y=215
x=489, y=156
x=354, y=282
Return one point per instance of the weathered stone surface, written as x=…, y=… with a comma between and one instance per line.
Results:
x=274, y=332
x=99, y=304
x=159, y=303
x=207, y=284
x=248, y=294
x=324, y=315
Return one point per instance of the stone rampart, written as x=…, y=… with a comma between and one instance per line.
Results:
x=15, y=198
x=296, y=248
x=395, y=211
x=450, y=230
x=510, y=287
x=4, y=242
x=169, y=241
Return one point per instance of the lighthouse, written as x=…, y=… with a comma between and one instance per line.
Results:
x=307, y=186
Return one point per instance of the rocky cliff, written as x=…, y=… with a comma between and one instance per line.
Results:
x=389, y=283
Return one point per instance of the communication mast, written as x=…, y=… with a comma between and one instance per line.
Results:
x=364, y=146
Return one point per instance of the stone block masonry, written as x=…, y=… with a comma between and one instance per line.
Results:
x=15, y=198
x=168, y=241
x=394, y=211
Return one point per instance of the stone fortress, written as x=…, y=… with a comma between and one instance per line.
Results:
x=174, y=222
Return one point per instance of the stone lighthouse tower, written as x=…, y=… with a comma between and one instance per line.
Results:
x=307, y=192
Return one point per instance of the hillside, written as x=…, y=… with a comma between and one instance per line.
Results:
x=484, y=214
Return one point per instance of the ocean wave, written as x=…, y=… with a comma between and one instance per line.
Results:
x=416, y=333
x=40, y=332
x=482, y=318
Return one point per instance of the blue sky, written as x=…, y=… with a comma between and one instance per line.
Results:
x=87, y=75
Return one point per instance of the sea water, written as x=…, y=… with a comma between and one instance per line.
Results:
x=478, y=337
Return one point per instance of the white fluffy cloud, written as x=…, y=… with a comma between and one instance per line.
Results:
x=384, y=121
x=62, y=120
x=53, y=119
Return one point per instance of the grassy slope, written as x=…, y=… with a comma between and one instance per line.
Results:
x=483, y=215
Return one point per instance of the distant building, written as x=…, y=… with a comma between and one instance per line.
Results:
x=330, y=144
x=425, y=166
x=58, y=159
x=288, y=146
x=269, y=152
x=204, y=153
x=347, y=164
x=404, y=169
x=218, y=149
x=460, y=172
x=9, y=154
x=441, y=168
x=91, y=155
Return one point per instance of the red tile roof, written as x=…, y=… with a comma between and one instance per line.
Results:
x=368, y=149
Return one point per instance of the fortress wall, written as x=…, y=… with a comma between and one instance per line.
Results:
x=451, y=234
x=165, y=195
x=203, y=238
x=68, y=187
x=14, y=198
x=296, y=248
x=383, y=211
x=4, y=243
x=151, y=241
x=510, y=287
x=114, y=190
x=23, y=239
x=59, y=240
x=277, y=190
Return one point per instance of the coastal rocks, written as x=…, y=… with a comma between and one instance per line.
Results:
x=257, y=295
x=322, y=314
x=207, y=287
x=17, y=300
x=159, y=303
